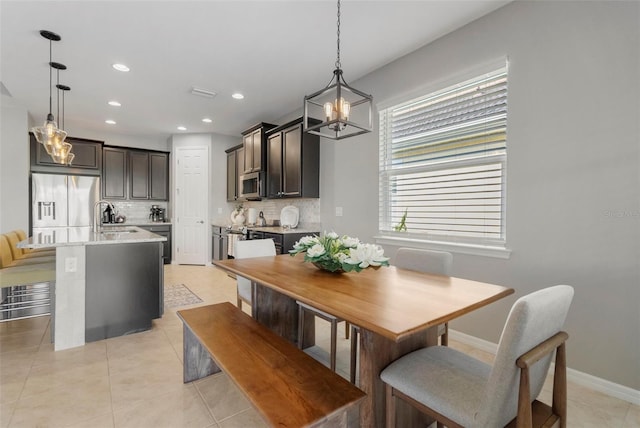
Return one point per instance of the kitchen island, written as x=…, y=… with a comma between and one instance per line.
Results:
x=108, y=283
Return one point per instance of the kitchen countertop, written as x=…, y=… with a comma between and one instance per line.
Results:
x=73, y=236
x=310, y=228
x=282, y=230
x=138, y=223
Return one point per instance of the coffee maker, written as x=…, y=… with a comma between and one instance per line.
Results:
x=157, y=213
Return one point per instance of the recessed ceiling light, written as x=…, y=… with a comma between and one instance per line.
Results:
x=114, y=103
x=207, y=120
x=110, y=122
x=238, y=96
x=181, y=128
x=121, y=67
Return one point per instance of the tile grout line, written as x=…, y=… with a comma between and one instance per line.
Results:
x=24, y=384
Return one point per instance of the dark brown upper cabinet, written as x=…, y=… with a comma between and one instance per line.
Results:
x=293, y=162
x=87, y=160
x=114, y=173
x=254, y=143
x=159, y=176
x=135, y=174
x=235, y=167
x=138, y=175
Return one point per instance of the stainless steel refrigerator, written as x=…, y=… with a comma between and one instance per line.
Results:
x=63, y=200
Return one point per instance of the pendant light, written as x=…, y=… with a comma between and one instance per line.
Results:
x=63, y=154
x=54, y=144
x=345, y=111
x=48, y=132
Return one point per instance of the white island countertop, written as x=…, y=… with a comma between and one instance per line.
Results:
x=73, y=236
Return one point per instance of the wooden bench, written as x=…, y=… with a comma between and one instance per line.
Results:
x=287, y=387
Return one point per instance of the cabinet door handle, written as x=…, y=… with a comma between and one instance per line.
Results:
x=201, y=221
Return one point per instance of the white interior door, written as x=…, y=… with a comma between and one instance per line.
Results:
x=192, y=200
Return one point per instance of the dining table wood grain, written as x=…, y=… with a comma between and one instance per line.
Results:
x=397, y=310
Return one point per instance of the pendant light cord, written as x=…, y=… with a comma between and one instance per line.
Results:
x=338, y=64
x=50, y=76
x=58, y=94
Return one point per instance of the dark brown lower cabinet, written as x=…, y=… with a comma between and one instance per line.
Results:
x=162, y=230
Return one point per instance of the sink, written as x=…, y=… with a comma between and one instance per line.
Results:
x=117, y=230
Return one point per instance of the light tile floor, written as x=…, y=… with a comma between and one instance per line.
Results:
x=136, y=380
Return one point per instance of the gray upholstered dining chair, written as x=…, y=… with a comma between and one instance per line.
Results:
x=461, y=391
x=245, y=250
x=427, y=261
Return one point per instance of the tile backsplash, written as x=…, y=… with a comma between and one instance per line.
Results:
x=309, y=209
x=137, y=211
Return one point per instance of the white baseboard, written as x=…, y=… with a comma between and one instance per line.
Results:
x=580, y=378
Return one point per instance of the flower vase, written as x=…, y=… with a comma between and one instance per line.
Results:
x=322, y=267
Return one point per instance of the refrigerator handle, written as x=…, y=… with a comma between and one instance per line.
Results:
x=46, y=209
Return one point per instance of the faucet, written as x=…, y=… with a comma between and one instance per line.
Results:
x=97, y=224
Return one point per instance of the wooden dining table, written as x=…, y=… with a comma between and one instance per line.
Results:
x=397, y=311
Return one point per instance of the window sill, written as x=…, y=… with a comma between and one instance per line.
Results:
x=473, y=249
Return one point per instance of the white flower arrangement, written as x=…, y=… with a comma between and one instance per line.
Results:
x=339, y=253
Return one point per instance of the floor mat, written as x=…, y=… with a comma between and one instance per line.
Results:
x=179, y=295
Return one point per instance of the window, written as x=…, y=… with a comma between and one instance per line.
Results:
x=442, y=162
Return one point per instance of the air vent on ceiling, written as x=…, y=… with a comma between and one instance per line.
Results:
x=202, y=92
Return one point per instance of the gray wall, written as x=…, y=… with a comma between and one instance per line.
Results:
x=122, y=140
x=14, y=166
x=573, y=194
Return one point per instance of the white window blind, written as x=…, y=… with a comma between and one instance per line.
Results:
x=442, y=161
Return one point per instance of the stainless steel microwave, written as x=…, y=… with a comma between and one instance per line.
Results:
x=252, y=186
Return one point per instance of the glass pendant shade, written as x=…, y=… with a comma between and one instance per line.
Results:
x=344, y=111
x=61, y=154
x=54, y=144
x=49, y=134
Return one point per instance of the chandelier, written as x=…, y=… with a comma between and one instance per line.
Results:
x=345, y=111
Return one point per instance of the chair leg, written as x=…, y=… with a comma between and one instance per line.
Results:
x=524, y=402
x=300, y=326
x=354, y=354
x=444, y=339
x=334, y=333
x=559, y=403
x=346, y=329
x=390, y=420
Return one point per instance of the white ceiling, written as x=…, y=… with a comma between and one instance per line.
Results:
x=274, y=52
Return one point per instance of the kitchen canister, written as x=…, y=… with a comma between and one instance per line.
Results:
x=251, y=216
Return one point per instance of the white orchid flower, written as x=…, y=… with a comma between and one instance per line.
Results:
x=350, y=242
x=316, y=250
x=307, y=241
x=365, y=255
